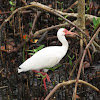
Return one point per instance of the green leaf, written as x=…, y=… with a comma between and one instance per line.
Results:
x=61, y=9
x=61, y=2
x=65, y=16
x=71, y=9
x=35, y=50
x=31, y=50
x=94, y=21
x=12, y=8
x=70, y=62
x=98, y=21
x=73, y=57
x=31, y=54
x=40, y=47
x=42, y=75
x=54, y=68
x=59, y=18
x=58, y=2
x=11, y=3
x=30, y=24
x=87, y=8
x=69, y=57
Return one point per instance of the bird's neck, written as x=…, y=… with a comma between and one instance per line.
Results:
x=64, y=42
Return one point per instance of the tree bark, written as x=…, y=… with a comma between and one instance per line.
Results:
x=81, y=14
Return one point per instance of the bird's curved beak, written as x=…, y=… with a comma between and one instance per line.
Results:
x=72, y=34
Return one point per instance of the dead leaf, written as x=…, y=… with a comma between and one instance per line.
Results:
x=8, y=47
x=0, y=11
x=25, y=37
x=50, y=5
x=87, y=32
x=86, y=64
x=2, y=48
x=88, y=22
x=77, y=97
x=35, y=41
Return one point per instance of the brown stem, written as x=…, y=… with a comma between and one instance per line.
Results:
x=25, y=3
x=81, y=63
x=55, y=12
x=34, y=21
x=33, y=36
x=43, y=7
x=3, y=87
x=68, y=83
x=74, y=4
x=88, y=51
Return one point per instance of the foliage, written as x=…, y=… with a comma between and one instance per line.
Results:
x=30, y=24
x=96, y=22
x=54, y=68
x=71, y=59
x=61, y=4
x=87, y=8
x=61, y=18
x=13, y=5
x=43, y=76
x=35, y=50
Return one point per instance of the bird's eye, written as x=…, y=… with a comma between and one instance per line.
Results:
x=65, y=31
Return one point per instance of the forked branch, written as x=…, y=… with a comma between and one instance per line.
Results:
x=68, y=83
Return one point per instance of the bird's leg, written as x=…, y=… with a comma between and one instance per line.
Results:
x=43, y=73
x=47, y=77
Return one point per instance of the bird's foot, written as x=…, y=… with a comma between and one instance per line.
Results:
x=44, y=78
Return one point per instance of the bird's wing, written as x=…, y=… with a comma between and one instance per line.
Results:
x=45, y=58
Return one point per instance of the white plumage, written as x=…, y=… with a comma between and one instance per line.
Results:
x=49, y=56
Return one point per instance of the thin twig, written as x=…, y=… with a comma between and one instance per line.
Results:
x=42, y=37
x=74, y=4
x=14, y=12
x=81, y=63
x=55, y=12
x=34, y=22
x=39, y=6
x=35, y=4
x=1, y=70
x=48, y=29
x=25, y=3
x=3, y=87
x=33, y=36
x=88, y=51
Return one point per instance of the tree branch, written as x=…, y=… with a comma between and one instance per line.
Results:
x=68, y=83
x=81, y=63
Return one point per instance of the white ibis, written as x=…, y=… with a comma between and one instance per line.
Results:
x=47, y=57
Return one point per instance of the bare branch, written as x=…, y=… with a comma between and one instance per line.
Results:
x=68, y=83
x=81, y=63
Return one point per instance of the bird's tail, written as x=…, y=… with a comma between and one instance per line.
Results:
x=19, y=70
